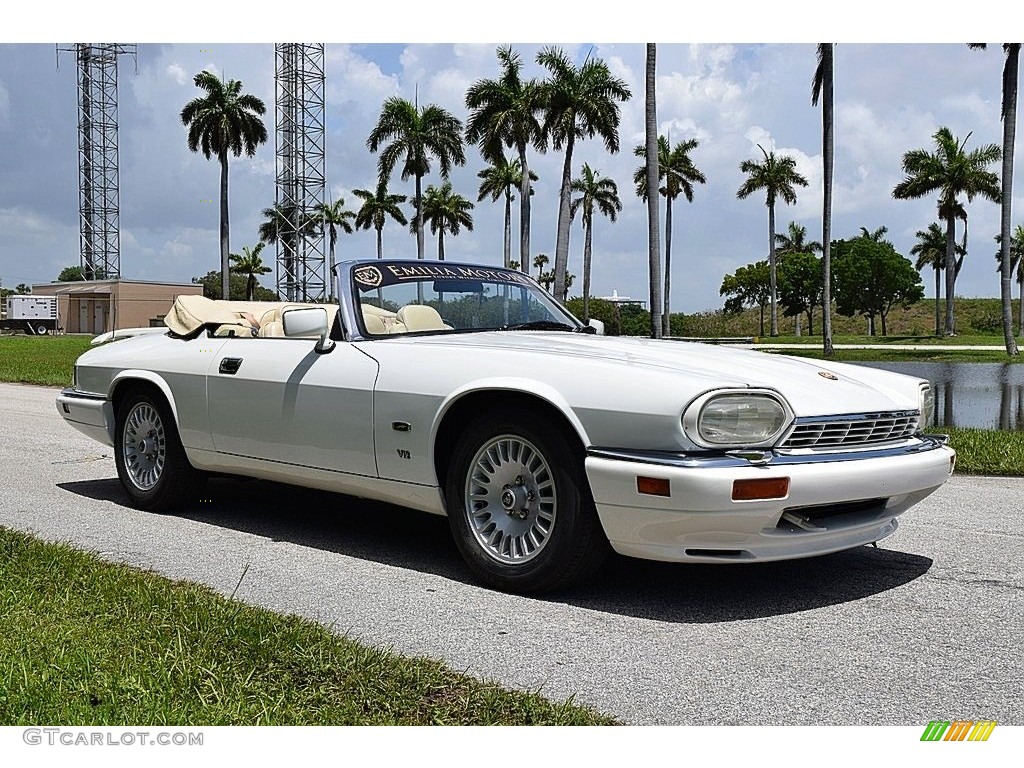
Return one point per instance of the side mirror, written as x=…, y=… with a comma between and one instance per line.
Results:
x=597, y=325
x=308, y=323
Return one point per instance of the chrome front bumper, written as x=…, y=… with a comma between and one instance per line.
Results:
x=92, y=415
x=852, y=497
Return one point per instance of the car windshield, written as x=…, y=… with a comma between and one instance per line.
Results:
x=399, y=298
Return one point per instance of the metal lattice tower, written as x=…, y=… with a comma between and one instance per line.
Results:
x=98, y=198
x=299, y=141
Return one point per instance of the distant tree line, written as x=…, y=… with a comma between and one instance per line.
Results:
x=869, y=278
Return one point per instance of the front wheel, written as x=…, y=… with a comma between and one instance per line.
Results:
x=519, y=505
x=151, y=461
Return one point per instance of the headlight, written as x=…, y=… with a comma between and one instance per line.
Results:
x=927, y=406
x=736, y=419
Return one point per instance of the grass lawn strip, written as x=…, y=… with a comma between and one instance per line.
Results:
x=45, y=360
x=986, y=451
x=905, y=355
x=86, y=642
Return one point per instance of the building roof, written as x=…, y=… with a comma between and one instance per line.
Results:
x=114, y=282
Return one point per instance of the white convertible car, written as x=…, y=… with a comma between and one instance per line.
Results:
x=469, y=392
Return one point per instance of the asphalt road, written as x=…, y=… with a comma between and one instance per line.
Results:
x=927, y=626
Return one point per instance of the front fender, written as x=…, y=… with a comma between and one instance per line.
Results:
x=522, y=385
x=134, y=374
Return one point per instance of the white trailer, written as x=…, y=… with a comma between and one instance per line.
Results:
x=36, y=315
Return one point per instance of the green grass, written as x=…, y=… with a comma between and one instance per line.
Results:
x=46, y=360
x=967, y=340
x=906, y=355
x=85, y=642
x=986, y=451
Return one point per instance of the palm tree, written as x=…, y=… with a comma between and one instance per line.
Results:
x=415, y=134
x=498, y=180
x=676, y=169
x=283, y=222
x=821, y=88
x=445, y=211
x=776, y=176
x=286, y=225
x=876, y=236
x=602, y=193
x=334, y=216
x=930, y=250
x=1016, y=267
x=651, y=146
x=224, y=121
x=1017, y=259
x=569, y=277
x=539, y=261
x=505, y=112
x=250, y=264
x=795, y=241
x=275, y=224
x=547, y=280
x=377, y=207
x=581, y=102
x=951, y=172
x=1008, y=113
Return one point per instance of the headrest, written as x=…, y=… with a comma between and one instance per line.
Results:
x=373, y=309
x=419, y=317
x=374, y=324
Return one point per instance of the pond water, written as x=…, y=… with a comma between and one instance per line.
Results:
x=985, y=395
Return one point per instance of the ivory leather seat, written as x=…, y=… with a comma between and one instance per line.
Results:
x=419, y=317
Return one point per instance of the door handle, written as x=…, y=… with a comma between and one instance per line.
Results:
x=230, y=365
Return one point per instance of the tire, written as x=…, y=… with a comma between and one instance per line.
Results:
x=42, y=330
x=519, y=505
x=151, y=462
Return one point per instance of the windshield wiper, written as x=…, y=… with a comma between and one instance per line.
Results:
x=538, y=325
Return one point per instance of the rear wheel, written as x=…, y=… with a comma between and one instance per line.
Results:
x=519, y=505
x=151, y=461
x=42, y=330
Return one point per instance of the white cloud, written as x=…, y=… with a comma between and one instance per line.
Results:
x=448, y=87
x=353, y=78
x=759, y=137
x=972, y=104
x=176, y=73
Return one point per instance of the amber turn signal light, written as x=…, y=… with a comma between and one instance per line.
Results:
x=653, y=486
x=760, y=488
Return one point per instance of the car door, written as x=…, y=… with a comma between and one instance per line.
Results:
x=278, y=399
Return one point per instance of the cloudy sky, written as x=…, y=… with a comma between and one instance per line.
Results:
x=890, y=98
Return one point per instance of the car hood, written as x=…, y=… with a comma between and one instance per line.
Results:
x=812, y=387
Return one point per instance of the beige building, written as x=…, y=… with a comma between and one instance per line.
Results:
x=98, y=306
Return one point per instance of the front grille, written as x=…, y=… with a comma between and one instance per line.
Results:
x=851, y=431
